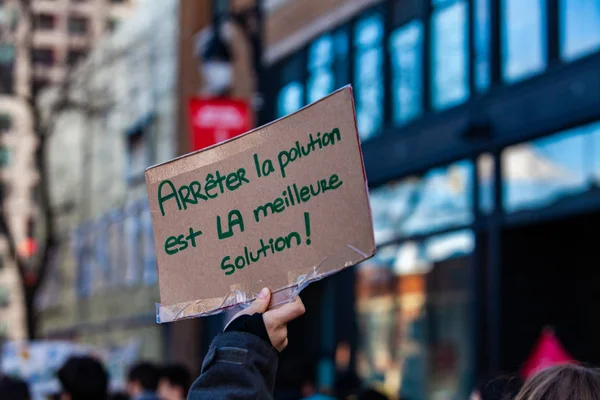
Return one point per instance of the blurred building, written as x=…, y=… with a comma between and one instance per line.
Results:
x=32, y=57
x=480, y=123
x=478, y=144
x=65, y=30
x=103, y=288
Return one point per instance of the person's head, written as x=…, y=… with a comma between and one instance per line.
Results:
x=142, y=377
x=562, y=382
x=83, y=378
x=502, y=387
x=175, y=381
x=13, y=388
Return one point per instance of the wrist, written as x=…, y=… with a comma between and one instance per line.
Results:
x=253, y=324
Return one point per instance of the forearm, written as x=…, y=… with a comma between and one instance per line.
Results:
x=238, y=365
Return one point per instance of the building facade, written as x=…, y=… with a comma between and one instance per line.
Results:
x=32, y=57
x=480, y=128
x=104, y=287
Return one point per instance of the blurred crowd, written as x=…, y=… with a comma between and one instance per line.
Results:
x=85, y=378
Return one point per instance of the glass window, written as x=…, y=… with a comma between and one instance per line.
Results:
x=413, y=309
x=117, y=251
x=84, y=262
x=101, y=253
x=150, y=267
x=523, y=38
x=7, y=60
x=579, y=27
x=44, y=22
x=450, y=55
x=4, y=156
x=406, y=46
x=341, y=43
x=138, y=147
x=441, y=199
x=542, y=172
x=482, y=45
x=594, y=153
x=78, y=25
x=327, y=66
x=5, y=123
x=132, y=231
x=321, y=79
x=290, y=99
x=43, y=56
x=368, y=74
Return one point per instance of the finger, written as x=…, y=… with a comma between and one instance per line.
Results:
x=280, y=338
x=283, y=345
x=287, y=312
x=261, y=304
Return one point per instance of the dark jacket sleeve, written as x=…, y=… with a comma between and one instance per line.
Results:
x=238, y=365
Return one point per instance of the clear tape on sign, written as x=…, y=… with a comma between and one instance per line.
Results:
x=238, y=299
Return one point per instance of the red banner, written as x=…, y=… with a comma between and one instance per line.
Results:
x=214, y=120
x=547, y=352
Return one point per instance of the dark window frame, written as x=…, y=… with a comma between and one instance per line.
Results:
x=144, y=132
x=44, y=22
x=397, y=13
x=5, y=123
x=45, y=56
x=7, y=69
x=78, y=25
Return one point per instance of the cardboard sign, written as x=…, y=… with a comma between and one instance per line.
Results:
x=280, y=206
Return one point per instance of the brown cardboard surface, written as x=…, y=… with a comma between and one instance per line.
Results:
x=338, y=219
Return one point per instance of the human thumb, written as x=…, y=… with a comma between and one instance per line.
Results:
x=261, y=304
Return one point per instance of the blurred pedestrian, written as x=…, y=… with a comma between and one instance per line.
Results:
x=174, y=383
x=242, y=361
x=562, y=382
x=346, y=378
x=83, y=378
x=142, y=381
x=308, y=385
x=499, y=387
x=13, y=389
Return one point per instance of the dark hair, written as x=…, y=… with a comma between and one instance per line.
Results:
x=84, y=378
x=177, y=375
x=14, y=389
x=501, y=387
x=563, y=382
x=146, y=374
x=119, y=396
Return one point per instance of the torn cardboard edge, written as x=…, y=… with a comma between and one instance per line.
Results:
x=242, y=299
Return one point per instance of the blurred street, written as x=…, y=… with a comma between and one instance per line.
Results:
x=479, y=122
